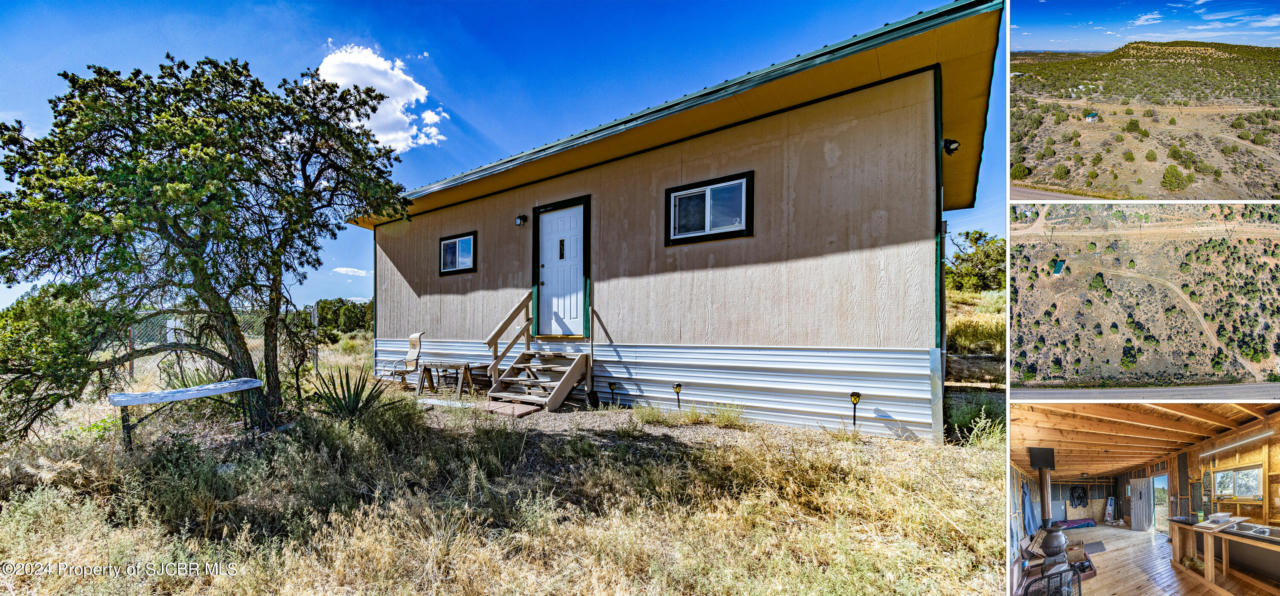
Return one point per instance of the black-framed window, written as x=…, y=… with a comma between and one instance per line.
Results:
x=710, y=209
x=458, y=254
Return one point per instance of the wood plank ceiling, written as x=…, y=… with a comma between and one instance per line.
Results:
x=1091, y=440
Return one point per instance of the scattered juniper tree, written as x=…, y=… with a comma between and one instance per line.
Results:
x=197, y=192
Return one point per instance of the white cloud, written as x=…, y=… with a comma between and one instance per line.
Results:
x=1100, y=28
x=395, y=124
x=352, y=271
x=1213, y=16
x=358, y=299
x=1013, y=26
x=1271, y=21
x=1150, y=18
x=1199, y=2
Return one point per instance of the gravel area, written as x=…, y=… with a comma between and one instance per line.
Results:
x=577, y=419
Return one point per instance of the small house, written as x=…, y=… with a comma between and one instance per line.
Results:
x=1167, y=498
x=1091, y=117
x=772, y=243
x=1058, y=266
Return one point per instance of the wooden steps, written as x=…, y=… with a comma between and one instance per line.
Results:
x=540, y=378
x=515, y=410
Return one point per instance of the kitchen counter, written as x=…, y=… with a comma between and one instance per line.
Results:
x=1257, y=556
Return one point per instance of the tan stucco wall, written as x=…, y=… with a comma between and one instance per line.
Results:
x=843, y=251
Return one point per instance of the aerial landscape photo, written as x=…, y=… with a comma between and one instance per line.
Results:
x=1138, y=296
x=1167, y=101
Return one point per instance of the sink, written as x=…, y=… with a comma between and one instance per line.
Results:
x=1269, y=532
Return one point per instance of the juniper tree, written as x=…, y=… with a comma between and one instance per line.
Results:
x=197, y=191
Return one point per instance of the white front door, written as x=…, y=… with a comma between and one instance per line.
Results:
x=560, y=281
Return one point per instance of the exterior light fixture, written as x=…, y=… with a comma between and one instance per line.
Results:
x=854, y=398
x=677, y=387
x=950, y=146
x=521, y=220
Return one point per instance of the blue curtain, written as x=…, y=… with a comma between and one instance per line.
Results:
x=1030, y=519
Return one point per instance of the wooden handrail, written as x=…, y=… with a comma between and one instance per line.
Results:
x=525, y=332
x=492, y=341
x=498, y=356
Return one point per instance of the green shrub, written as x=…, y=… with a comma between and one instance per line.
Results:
x=338, y=395
x=1151, y=155
x=1061, y=172
x=1173, y=179
x=1019, y=172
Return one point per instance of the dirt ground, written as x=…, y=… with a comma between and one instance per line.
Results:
x=1247, y=173
x=1181, y=288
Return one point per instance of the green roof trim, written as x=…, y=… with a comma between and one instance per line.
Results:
x=889, y=33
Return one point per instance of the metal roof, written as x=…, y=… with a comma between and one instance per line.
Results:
x=890, y=32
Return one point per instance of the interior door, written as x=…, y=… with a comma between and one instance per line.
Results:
x=1142, y=504
x=561, y=286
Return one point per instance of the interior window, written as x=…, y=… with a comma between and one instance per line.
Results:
x=1224, y=484
x=1249, y=483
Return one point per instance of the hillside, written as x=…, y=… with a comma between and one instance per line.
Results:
x=1177, y=120
x=1156, y=72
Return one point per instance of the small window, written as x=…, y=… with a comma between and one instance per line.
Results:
x=1245, y=483
x=710, y=210
x=458, y=254
x=1224, y=484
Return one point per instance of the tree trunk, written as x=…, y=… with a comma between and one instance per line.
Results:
x=271, y=342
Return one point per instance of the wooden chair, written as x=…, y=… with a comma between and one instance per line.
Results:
x=410, y=364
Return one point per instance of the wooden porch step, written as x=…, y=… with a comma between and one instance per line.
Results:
x=561, y=355
x=513, y=396
x=511, y=409
x=550, y=367
x=533, y=382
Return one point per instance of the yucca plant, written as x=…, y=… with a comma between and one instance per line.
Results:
x=348, y=398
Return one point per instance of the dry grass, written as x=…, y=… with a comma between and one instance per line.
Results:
x=720, y=416
x=976, y=322
x=460, y=502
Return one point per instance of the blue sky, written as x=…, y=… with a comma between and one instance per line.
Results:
x=470, y=82
x=1072, y=25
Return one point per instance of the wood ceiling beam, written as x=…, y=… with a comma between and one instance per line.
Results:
x=1114, y=449
x=1021, y=434
x=1127, y=416
x=1192, y=411
x=1056, y=420
x=1254, y=410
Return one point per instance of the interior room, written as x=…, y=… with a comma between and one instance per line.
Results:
x=1144, y=498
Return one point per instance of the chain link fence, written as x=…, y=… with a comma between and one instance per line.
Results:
x=175, y=369
x=333, y=332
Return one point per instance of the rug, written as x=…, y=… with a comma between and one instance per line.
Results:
x=1094, y=548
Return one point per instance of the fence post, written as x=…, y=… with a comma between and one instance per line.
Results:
x=126, y=428
x=131, y=377
x=315, y=330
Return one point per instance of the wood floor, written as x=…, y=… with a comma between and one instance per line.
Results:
x=1138, y=563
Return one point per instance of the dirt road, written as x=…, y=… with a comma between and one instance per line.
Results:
x=1023, y=193
x=1197, y=392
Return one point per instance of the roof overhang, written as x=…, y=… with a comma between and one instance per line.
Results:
x=958, y=40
